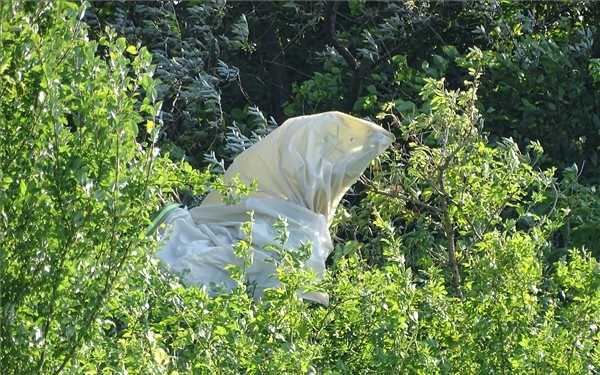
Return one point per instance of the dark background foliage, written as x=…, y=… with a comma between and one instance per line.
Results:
x=217, y=61
x=232, y=71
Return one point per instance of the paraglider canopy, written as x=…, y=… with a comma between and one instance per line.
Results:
x=310, y=160
x=303, y=169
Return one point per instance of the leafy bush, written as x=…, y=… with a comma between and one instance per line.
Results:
x=581, y=206
x=221, y=62
x=78, y=189
x=190, y=44
x=448, y=269
x=509, y=310
x=539, y=83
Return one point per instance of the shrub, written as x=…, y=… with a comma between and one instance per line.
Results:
x=80, y=176
x=448, y=271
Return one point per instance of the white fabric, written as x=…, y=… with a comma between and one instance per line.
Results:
x=303, y=168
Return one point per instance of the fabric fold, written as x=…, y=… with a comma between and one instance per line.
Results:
x=303, y=169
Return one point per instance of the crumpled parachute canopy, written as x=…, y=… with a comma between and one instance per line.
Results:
x=310, y=160
x=303, y=168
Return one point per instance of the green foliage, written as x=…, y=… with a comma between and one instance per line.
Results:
x=581, y=206
x=456, y=261
x=79, y=181
x=461, y=271
x=219, y=62
x=189, y=43
x=537, y=85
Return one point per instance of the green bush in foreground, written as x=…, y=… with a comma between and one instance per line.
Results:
x=449, y=272
x=77, y=187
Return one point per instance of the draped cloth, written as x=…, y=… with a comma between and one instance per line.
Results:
x=303, y=168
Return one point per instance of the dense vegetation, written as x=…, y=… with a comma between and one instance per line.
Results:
x=470, y=247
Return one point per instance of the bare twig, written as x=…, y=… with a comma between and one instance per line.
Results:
x=330, y=18
x=452, y=261
x=397, y=195
x=353, y=64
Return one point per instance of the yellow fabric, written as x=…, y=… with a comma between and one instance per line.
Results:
x=303, y=168
x=310, y=160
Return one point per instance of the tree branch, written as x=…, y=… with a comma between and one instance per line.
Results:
x=405, y=198
x=330, y=19
x=353, y=64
